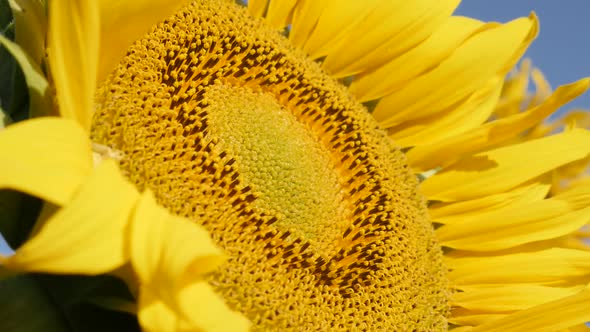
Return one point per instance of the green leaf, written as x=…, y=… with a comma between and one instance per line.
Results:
x=5, y=119
x=13, y=89
x=48, y=303
x=6, y=20
x=40, y=97
x=18, y=213
x=26, y=307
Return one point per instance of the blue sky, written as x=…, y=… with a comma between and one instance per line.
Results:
x=562, y=49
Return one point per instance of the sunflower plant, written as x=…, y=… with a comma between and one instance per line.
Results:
x=286, y=165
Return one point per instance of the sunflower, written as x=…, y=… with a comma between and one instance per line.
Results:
x=357, y=176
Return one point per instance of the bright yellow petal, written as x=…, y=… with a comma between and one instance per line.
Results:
x=45, y=157
x=541, y=267
x=389, y=30
x=337, y=19
x=445, y=152
x=154, y=315
x=170, y=256
x=123, y=22
x=30, y=27
x=73, y=56
x=394, y=74
x=205, y=312
x=167, y=248
x=508, y=297
x=466, y=317
x=461, y=118
x=305, y=17
x=257, y=8
x=514, y=91
x=39, y=95
x=451, y=213
x=502, y=169
x=516, y=225
x=479, y=59
x=88, y=235
x=542, y=87
x=279, y=12
x=548, y=317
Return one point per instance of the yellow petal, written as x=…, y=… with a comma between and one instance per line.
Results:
x=279, y=12
x=509, y=297
x=170, y=256
x=257, y=8
x=73, y=56
x=443, y=153
x=123, y=22
x=502, y=169
x=391, y=29
x=205, y=312
x=87, y=236
x=541, y=267
x=305, y=17
x=461, y=118
x=548, y=317
x=451, y=213
x=167, y=248
x=154, y=315
x=474, y=63
x=514, y=91
x=45, y=157
x=470, y=318
x=392, y=75
x=542, y=87
x=30, y=27
x=515, y=225
x=336, y=20
x=460, y=329
x=39, y=96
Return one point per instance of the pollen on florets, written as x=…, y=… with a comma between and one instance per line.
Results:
x=316, y=208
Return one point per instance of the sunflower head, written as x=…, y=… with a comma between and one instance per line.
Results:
x=232, y=127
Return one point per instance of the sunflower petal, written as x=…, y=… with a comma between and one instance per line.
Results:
x=502, y=169
x=39, y=96
x=123, y=22
x=464, y=117
x=513, y=226
x=439, y=154
x=279, y=12
x=451, y=213
x=87, y=236
x=553, y=316
x=337, y=19
x=207, y=312
x=171, y=255
x=305, y=18
x=168, y=248
x=257, y=8
x=541, y=267
x=466, y=317
x=391, y=76
x=45, y=157
x=73, y=56
x=509, y=297
x=514, y=91
x=474, y=63
x=401, y=25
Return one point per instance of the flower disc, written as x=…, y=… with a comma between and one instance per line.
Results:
x=315, y=207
